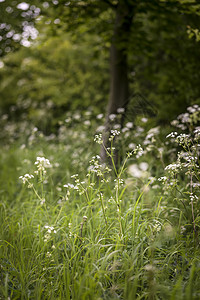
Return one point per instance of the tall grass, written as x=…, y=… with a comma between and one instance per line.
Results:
x=77, y=231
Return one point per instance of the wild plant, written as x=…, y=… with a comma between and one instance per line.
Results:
x=182, y=176
x=104, y=232
x=42, y=164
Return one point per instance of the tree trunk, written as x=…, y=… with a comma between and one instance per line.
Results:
x=119, y=85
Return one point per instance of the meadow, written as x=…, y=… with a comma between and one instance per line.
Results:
x=74, y=228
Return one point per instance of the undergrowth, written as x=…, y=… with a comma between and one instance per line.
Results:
x=74, y=228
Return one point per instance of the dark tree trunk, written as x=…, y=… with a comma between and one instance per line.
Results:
x=119, y=85
x=119, y=88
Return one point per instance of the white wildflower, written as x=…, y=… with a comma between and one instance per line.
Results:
x=77, y=116
x=138, y=151
x=131, y=146
x=157, y=226
x=175, y=123
x=98, y=138
x=154, y=130
x=173, y=167
x=88, y=113
x=68, y=120
x=144, y=120
x=42, y=163
x=42, y=201
x=117, y=126
x=129, y=125
x=125, y=129
x=134, y=171
x=50, y=229
x=172, y=135
x=100, y=128
x=48, y=254
x=112, y=117
x=183, y=139
x=120, y=110
x=84, y=218
x=184, y=118
x=193, y=197
x=143, y=166
x=26, y=178
x=87, y=122
x=69, y=185
x=164, y=178
x=118, y=182
x=99, y=116
x=74, y=176
x=115, y=132
x=196, y=185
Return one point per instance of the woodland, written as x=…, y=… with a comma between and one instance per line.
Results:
x=100, y=149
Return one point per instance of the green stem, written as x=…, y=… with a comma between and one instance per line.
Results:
x=103, y=208
x=36, y=193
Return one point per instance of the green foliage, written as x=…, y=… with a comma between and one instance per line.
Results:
x=165, y=66
x=71, y=70
x=76, y=230
x=193, y=33
x=57, y=74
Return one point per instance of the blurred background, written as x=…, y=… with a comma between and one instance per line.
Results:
x=55, y=59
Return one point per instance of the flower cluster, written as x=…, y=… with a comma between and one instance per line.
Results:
x=197, y=134
x=186, y=162
x=113, y=134
x=98, y=138
x=183, y=139
x=112, y=117
x=129, y=125
x=172, y=135
x=118, y=182
x=98, y=168
x=78, y=186
x=120, y=110
x=138, y=151
x=193, y=197
x=150, y=137
x=70, y=186
x=185, y=120
x=173, y=167
x=42, y=163
x=49, y=231
x=138, y=170
x=26, y=178
x=162, y=179
x=99, y=116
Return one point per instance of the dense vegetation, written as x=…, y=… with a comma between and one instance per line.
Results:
x=74, y=226
x=71, y=228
